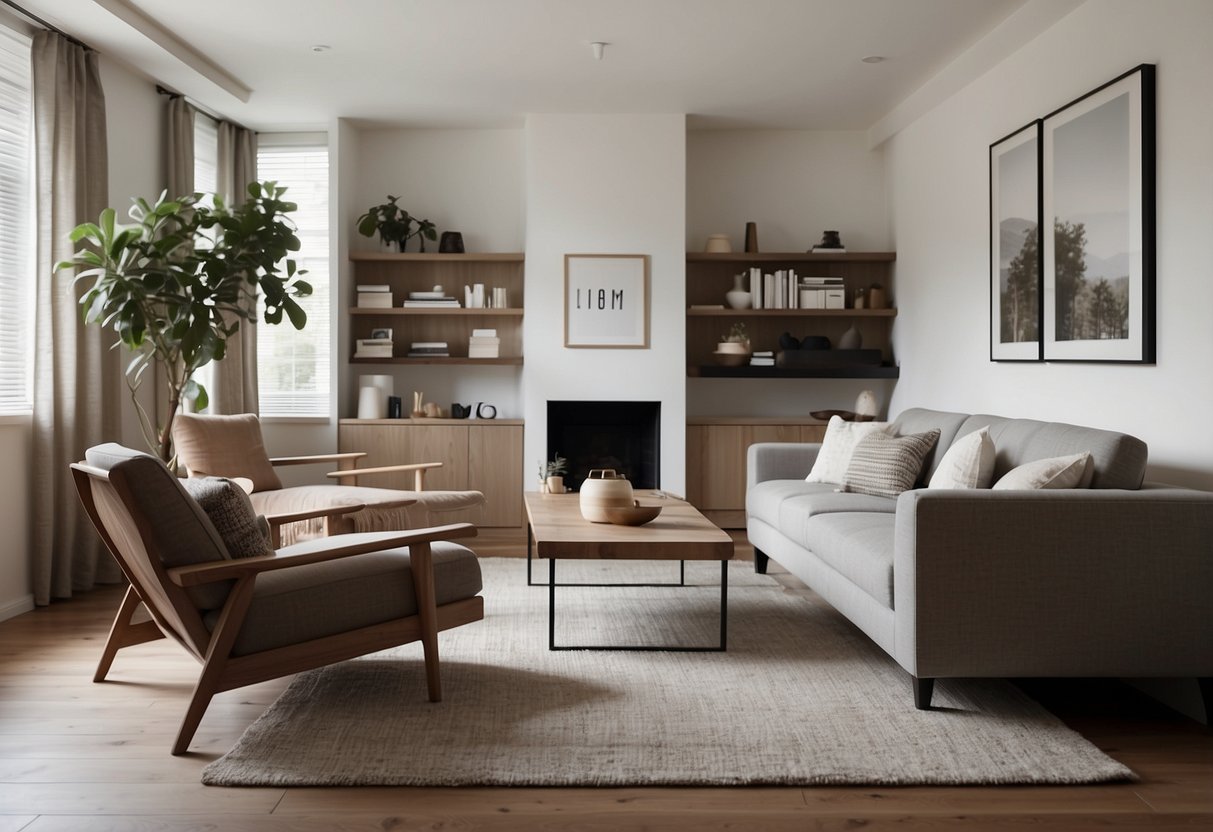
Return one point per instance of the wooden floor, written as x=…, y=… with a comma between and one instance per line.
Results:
x=80, y=756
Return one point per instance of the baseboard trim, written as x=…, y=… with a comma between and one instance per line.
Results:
x=16, y=607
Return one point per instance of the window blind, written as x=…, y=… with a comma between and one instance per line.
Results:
x=16, y=224
x=293, y=366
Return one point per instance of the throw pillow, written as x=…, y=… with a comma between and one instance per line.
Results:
x=224, y=446
x=243, y=532
x=885, y=466
x=837, y=446
x=969, y=463
x=1054, y=472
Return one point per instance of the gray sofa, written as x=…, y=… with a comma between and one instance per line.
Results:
x=1111, y=580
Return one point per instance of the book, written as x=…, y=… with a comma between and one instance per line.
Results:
x=823, y=250
x=484, y=333
x=707, y=306
x=451, y=302
x=443, y=354
x=374, y=300
x=428, y=345
x=373, y=287
x=762, y=362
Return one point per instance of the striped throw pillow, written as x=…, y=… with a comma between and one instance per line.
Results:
x=885, y=466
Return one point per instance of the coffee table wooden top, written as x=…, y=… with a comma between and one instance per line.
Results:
x=678, y=533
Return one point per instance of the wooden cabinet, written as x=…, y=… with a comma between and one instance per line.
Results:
x=710, y=276
x=481, y=455
x=412, y=272
x=716, y=460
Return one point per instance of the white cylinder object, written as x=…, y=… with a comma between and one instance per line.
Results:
x=385, y=383
x=372, y=404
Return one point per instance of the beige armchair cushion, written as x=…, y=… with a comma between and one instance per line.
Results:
x=224, y=446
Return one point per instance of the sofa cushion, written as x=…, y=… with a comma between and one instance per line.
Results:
x=1057, y=472
x=837, y=447
x=1118, y=460
x=332, y=597
x=795, y=512
x=920, y=419
x=969, y=463
x=885, y=466
x=764, y=500
x=859, y=546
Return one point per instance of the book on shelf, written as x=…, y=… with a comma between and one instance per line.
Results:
x=763, y=353
x=373, y=348
x=823, y=250
x=755, y=361
x=707, y=306
x=374, y=300
x=484, y=333
x=449, y=303
x=373, y=287
x=428, y=354
x=821, y=281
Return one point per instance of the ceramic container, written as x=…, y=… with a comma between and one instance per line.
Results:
x=718, y=244
x=603, y=489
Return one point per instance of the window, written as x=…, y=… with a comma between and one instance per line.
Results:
x=16, y=225
x=293, y=365
x=206, y=154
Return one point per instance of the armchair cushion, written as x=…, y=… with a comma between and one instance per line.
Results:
x=229, y=446
x=333, y=597
x=229, y=509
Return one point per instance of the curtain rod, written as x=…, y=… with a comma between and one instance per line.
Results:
x=163, y=90
x=45, y=25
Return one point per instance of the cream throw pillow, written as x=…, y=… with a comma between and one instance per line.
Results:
x=969, y=463
x=1054, y=472
x=838, y=445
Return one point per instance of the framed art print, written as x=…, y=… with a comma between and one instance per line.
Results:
x=1015, y=246
x=606, y=300
x=1097, y=157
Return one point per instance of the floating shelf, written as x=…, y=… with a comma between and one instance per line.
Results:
x=515, y=361
x=792, y=257
x=712, y=371
x=513, y=312
x=792, y=313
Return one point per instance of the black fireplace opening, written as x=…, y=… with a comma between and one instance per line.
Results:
x=625, y=436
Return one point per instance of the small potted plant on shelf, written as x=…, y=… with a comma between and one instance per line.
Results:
x=426, y=230
x=390, y=221
x=734, y=348
x=551, y=475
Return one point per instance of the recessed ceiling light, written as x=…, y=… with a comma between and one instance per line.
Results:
x=873, y=59
x=324, y=47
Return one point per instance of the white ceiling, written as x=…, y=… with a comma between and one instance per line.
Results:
x=726, y=63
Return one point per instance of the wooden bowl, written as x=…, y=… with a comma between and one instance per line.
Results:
x=636, y=515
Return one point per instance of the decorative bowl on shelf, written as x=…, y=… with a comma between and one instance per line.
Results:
x=635, y=515
x=731, y=359
x=845, y=415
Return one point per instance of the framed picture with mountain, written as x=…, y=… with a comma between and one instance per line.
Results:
x=1015, y=246
x=1097, y=166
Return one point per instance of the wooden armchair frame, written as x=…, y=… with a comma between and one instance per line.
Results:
x=107, y=496
x=348, y=472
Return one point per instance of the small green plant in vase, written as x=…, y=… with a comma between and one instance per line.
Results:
x=734, y=348
x=391, y=222
x=551, y=475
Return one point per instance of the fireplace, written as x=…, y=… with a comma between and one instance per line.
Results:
x=625, y=436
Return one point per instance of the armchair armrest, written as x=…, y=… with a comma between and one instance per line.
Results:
x=344, y=460
x=329, y=513
x=314, y=551
x=418, y=469
x=1054, y=582
x=779, y=461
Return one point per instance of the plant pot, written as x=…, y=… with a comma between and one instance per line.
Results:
x=555, y=485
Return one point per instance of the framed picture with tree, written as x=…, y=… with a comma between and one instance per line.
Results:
x=1015, y=246
x=1097, y=156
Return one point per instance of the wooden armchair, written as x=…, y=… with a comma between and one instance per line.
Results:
x=232, y=446
x=256, y=618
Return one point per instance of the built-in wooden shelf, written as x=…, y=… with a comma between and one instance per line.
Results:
x=508, y=361
x=428, y=257
x=792, y=257
x=792, y=313
x=437, y=310
x=709, y=371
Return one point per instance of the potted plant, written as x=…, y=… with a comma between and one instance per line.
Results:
x=734, y=347
x=551, y=475
x=390, y=221
x=426, y=230
x=177, y=283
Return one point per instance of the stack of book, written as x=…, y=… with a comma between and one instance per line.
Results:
x=762, y=358
x=373, y=348
x=828, y=250
x=484, y=343
x=429, y=349
x=774, y=291
x=431, y=300
x=823, y=293
x=374, y=296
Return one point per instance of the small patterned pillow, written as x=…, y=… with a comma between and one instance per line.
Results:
x=243, y=531
x=885, y=466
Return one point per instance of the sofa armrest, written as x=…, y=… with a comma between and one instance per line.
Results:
x=779, y=461
x=1085, y=582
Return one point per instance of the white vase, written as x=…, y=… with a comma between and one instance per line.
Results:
x=852, y=339
x=738, y=297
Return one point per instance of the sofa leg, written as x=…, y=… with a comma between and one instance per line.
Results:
x=922, y=693
x=760, y=561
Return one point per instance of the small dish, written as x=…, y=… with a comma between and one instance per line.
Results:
x=636, y=515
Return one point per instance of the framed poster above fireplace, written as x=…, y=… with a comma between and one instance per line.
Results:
x=606, y=301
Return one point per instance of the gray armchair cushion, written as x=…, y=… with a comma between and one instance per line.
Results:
x=337, y=596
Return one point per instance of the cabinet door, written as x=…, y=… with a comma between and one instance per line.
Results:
x=723, y=461
x=404, y=443
x=495, y=467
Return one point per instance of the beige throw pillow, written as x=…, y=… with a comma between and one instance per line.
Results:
x=969, y=463
x=837, y=446
x=1054, y=472
x=224, y=446
x=885, y=466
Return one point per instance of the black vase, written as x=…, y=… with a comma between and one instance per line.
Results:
x=451, y=242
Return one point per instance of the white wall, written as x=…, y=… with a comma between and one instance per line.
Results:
x=939, y=198
x=794, y=184
x=599, y=184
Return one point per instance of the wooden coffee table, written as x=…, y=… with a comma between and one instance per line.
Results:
x=557, y=531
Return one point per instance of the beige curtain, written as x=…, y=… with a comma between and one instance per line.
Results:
x=77, y=378
x=179, y=147
x=234, y=385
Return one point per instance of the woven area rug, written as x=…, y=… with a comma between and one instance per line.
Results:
x=801, y=697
